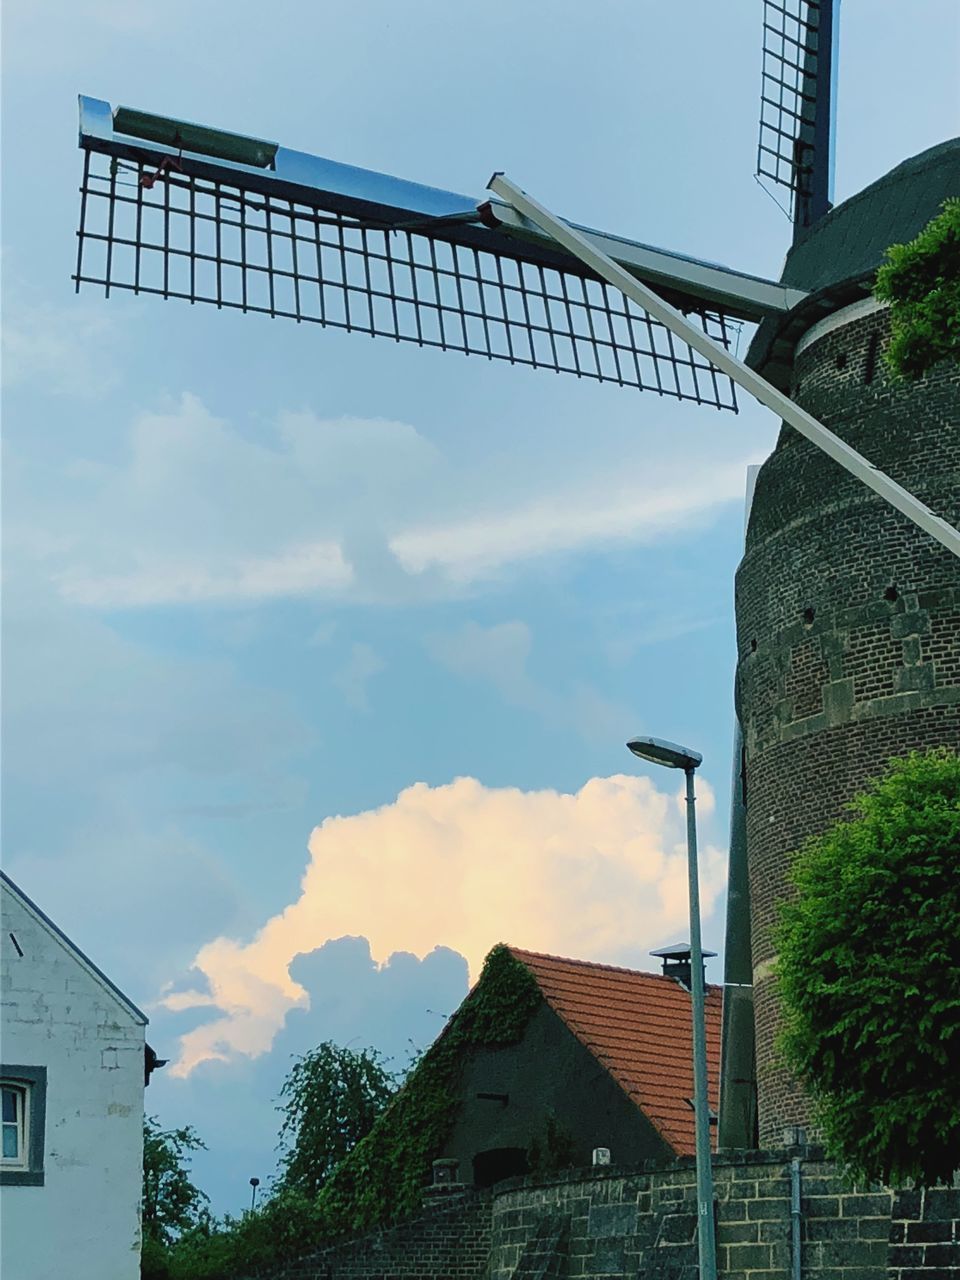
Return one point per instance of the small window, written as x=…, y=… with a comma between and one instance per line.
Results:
x=15, y=1137
x=23, y=1105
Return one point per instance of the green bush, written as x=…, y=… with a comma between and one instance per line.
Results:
x=869, y=974
x=921, y=282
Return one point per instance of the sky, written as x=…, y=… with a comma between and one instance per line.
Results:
x=319, y=652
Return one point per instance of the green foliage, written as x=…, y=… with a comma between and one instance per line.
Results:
x=329, y=1100
x=921, y=282
x=869, y=974
x=171, y=1203
x=283, y=1227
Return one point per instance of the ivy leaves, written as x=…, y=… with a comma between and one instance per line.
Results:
x=921, y=282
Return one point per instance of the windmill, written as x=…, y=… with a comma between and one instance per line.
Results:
x=181, y=211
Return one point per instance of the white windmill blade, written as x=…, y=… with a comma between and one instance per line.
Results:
x=576, y=243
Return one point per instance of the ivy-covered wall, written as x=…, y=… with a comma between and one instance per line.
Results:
x=547, y=1091
x=383, y=1178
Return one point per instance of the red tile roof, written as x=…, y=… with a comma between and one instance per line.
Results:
x=639, y=1026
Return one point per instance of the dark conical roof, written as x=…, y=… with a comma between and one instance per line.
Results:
x=837, y=258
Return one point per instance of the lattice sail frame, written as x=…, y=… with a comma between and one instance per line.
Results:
x=151, y=228
x=795, y=98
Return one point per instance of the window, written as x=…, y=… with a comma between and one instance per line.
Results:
x=14, y=1152
x=23, y=1103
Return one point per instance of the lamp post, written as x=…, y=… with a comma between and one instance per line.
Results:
x=254, y=1183
x=672, y=756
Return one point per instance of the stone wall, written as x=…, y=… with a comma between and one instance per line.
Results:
x=848, y=626
x=641, y=1225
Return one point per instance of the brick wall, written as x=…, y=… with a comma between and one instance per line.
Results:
x=848, y=628
x=449, y=1241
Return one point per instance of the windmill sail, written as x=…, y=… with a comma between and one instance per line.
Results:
x=180, y=211
x=797, y=101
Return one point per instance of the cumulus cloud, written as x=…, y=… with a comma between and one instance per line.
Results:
x=461, y=866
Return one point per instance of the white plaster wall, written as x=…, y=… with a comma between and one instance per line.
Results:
x=84, y=1222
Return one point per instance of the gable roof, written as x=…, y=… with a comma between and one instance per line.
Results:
x=638, y=1025
x=85, y=962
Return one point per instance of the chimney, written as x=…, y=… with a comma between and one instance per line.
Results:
x=676, y=962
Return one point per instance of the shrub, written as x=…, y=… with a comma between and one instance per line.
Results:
x=921, y=282
x=869, y=974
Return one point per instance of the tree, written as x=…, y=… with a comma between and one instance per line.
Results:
x=921, y=282
x=869, y=974
x=171, y=1205
x=329, y=1100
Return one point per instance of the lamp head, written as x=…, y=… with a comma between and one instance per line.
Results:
x=670, y=754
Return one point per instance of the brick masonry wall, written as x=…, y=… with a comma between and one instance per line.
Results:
x=450, y=1240
x=848, y=628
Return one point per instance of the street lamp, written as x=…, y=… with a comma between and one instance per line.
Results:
x=669, y=754
x=254, y=1183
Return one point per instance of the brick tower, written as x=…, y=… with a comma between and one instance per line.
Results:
x=848, y=616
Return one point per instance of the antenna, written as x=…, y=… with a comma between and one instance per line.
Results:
x=798, y=104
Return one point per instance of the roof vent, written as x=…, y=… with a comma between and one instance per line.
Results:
x=676, y=962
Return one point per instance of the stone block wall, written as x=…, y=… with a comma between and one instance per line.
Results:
x=643, y=1224
x=925, y=1235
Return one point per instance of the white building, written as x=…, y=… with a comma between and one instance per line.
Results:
x=72, y=1062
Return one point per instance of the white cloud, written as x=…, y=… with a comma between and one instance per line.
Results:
x=196, y=509
x=309, y=569
x=472, y=548
x=463, y=866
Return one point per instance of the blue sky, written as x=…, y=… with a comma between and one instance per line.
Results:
x=234, y=781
